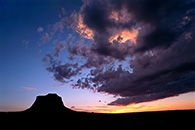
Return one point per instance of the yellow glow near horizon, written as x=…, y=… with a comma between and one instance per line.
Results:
x=181, y=102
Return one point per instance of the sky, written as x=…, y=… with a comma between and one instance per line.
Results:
x=105, y=56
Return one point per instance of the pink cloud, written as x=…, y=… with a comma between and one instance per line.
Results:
x=29, y=88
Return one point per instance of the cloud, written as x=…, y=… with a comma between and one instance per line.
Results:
x=59, y=46
x=61, y=72
x=63, y=11
x=40, y=29
x=160, y=22
x=64, y=71
x=78, y=52
x=156, y=75
x=165, y=55
x=78, y=49
x=139, y=50
x=75, y=21
x=29, y=88
x=45, y=37
x=26, y=43
x=182, y=84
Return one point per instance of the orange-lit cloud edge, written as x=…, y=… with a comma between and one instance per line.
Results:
x=122, y=17
x=83, y=30
x=124, y=34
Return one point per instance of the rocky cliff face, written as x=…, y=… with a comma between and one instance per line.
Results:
x=50, y=103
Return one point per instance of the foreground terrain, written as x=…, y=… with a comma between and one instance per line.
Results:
x=49, y=112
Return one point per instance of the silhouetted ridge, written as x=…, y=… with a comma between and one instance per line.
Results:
x=49, y=103
x=49, y=111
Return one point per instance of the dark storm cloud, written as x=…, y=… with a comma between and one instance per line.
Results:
x=156, y=75
x=183, y=84
x=96, y=15
x=165, y=67
x=115, y=50
x=162, y=60
x=160, y=21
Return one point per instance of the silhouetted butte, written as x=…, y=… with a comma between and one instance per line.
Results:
x=51, y=103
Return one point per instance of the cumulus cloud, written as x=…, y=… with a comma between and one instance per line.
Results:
x=154, y=38
x=161, y=22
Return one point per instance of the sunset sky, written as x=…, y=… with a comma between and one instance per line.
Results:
x=107, y=56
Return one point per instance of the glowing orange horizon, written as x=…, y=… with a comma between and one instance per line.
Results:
x=181, y=102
